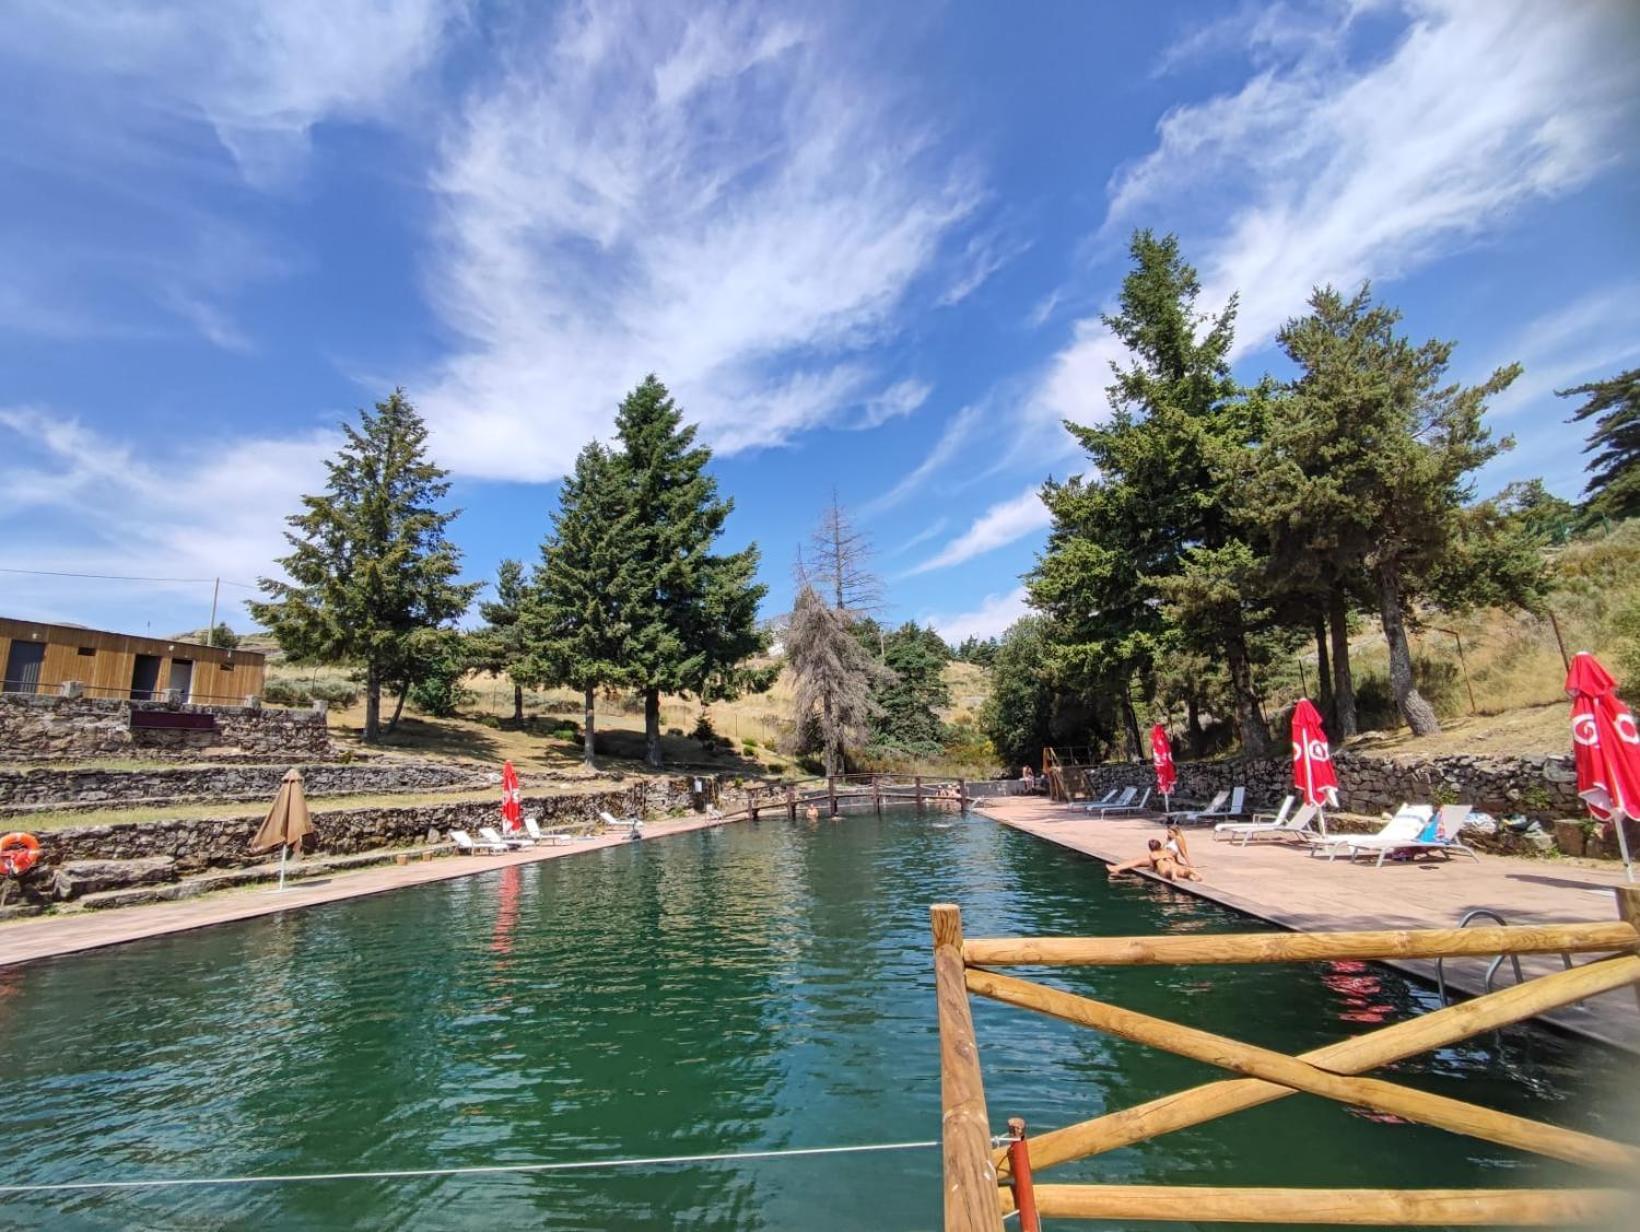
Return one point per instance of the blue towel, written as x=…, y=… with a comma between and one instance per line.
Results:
x=1432, y=832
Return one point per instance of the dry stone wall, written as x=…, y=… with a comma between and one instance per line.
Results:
x=38, y=785
x=192, y=846
x=1542, y=788
x=41, y=727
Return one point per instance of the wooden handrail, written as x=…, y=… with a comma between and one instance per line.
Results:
x=1356, y=1055
x=970, y=1176
x=1273, y=947
x=1440, y=1111
x=1371, y=1207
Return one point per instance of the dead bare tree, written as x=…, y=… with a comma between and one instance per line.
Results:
x=834, y=675
x=840, y=562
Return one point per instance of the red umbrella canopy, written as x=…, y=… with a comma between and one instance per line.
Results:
x=1313, y=772
x=1605, y=742
x=1161, y=753
x=512, y=803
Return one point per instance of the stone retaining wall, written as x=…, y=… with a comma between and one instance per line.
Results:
x=41, y=727
x=197, y=845
x=1542, y=788
x=97, y=788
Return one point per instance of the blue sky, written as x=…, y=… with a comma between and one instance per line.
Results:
x=866, y=245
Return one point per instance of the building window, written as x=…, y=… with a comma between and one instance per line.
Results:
x=88, y=652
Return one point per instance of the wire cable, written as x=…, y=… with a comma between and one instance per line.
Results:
x=580, y=1165
x=128, y=577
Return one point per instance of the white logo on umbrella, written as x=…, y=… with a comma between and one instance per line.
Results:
x=1585, y=732
x=1626, y=731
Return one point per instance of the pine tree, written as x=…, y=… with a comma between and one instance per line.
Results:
x=371, y=562
x=1377, y=456
x=572, y=629
x=1613, y=490
x=914, y=688
x=499, y=647
x=689, y=616
x=834, y=675
x=1017, y=716
x=1153, y=521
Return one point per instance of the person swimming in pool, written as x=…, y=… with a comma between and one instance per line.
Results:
x=1160, y=861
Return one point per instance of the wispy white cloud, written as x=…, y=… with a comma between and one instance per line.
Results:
x=898, y=400
x=983, y=256
x=932, y=531
x=97, y=504
x=1350, y=170
x=958, y=429
x=1042, y=311
x=1003, y=523
x=713, y=195
x=991, y=618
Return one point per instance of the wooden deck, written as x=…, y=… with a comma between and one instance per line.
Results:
x=27, y=940
x=1280, y=883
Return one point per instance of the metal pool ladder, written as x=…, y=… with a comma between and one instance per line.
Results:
x=1497, y=963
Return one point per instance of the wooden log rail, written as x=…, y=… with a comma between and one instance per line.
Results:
x=1261, y=1075
x=832, y=794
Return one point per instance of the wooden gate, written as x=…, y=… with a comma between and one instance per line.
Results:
x=980, y=1189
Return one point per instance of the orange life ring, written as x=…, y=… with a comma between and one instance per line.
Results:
x=18, y=853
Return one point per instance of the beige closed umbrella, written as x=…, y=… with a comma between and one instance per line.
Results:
x=287, y=822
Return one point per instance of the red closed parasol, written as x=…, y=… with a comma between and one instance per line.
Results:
x=1605, y=746
x=512, y=803
x=1161, y=753
x=1313, y=772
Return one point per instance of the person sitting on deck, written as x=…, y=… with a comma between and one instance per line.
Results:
x=1160, y=861
x=1177, y=847
x=1027, y=776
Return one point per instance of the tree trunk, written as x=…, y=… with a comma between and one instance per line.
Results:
x=1193, y=723
x=652, y=727
x=1131, y=720
x=1418, y=713
x=372, y=702
x=589, y=729
x=1323, y=669
x=518, y=704
x=1338, y=616
x=829, y=736
x=398, y=709
x=1255, y=737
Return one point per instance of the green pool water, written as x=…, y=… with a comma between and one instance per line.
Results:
x=763, y=985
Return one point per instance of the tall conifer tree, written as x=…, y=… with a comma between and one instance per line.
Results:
x=1613, y=490
x=499, y=647
x=371, y=563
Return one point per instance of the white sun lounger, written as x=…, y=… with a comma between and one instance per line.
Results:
x=632, y=825
x=1218, y=810
x=534, y=830
x=1137, y=806
x=1107, y=799
x=1401, y=830
x=465, y=845
x=1125, y=798
x=1297, y=826
x=491, y=835
x=1409, y=837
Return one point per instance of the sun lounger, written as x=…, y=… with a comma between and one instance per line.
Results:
x=1438, y=833
x=1112, y=801
x=1136, y=806
x=1218, y=810
x=467, y=847
x=1108, y=798
x=1296, y=826
x=490, y=835
x=632, y=825
x=534, y=830
x=1402, y=830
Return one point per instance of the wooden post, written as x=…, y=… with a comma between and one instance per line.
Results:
x=751, y=801
x=877, y=794
x=918, y=781
x=791, y=802
x=831, y=792
x=962, y=795
x=1628, y=909
x=965, y=1129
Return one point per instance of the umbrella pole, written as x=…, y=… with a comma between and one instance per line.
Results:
x=284, y=850
x=1623, y=845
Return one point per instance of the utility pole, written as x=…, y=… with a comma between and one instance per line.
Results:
x=210, y=629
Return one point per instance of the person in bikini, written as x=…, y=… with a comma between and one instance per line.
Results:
x=1160, y=861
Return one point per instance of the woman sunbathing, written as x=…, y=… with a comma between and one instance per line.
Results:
x=1160, y=861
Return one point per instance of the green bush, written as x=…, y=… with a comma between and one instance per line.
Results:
x=286, y=693
x=1437, y=679
x=340, y=693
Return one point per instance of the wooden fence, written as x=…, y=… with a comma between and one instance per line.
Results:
x=984, y=1182
x=843, y=792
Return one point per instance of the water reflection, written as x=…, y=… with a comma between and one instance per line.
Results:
x=762, y=986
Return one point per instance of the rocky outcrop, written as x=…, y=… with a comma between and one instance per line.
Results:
x=40, y=727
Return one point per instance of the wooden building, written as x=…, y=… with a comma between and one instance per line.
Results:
x=40, y=658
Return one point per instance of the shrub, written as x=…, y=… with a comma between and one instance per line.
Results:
x=286, y=693
x=342, y=693
x=704, y=731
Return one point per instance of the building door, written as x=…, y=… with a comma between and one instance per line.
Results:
x=182, y=677
x=23, y=667
x=144, y=677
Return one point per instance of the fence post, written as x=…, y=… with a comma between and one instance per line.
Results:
x=962, y=795
x=965, y=1129
x=791, y=802
x=917, y=779
x=1628, y=908
x=877, y=794
x=831, y=793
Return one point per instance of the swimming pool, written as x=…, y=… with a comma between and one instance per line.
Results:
x=754, y=986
